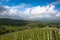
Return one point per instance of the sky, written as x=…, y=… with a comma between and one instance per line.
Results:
x=30, y=9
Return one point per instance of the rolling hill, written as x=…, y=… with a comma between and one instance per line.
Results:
x=33, y=34
x=11, y=25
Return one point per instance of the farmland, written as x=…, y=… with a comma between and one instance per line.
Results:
x=28, y=30
x=33, y=34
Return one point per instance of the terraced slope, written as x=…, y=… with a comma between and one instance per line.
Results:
x=33, y=34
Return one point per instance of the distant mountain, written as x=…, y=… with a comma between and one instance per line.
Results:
x=51, y=21
x=7, y=21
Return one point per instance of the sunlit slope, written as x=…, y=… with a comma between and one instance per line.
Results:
x=33, y=34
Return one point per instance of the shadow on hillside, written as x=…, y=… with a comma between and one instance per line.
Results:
x=12, y=22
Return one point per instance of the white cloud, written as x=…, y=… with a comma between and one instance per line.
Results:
x=13, y=12
x=55, y=2
x=58, y=14
x=44, y=11
x=24, y=12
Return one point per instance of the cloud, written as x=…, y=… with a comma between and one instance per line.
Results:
x=55, y=2
x=44, y=11
x=23, y=11
x=58, y=14
x=2, y=9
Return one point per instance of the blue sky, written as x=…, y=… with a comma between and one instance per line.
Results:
x=31, y=2
x=30, y=9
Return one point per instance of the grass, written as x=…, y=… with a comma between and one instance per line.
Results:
x=33, y=34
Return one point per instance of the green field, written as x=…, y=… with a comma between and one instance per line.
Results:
x=33, y=34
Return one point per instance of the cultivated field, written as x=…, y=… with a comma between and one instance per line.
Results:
x=33, y=34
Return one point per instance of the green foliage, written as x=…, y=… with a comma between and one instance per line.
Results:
x=11, y=25
x=6, y=21
x=32, y=34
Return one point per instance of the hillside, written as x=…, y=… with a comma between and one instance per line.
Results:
x=11, y=29
x=33, y=34
x=7, y=21
x=12, y=25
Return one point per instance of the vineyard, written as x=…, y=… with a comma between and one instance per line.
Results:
x=33, y=34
